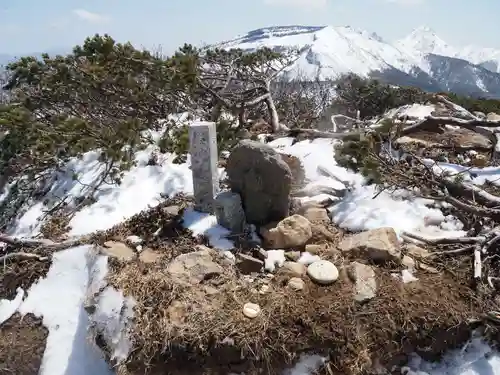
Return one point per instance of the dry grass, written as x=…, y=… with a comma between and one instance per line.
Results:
x=20, y=274
x=56, y=227
x=158, y=228
x=22, y=343
x=181, y=329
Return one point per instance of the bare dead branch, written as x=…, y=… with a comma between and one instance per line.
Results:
x=46, y=245
x=442, y=241
x=23, y=256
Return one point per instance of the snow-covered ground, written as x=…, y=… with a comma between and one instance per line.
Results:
x=79, y=272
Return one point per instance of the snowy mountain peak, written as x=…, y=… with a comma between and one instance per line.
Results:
x=294, y=35
x=421, y=59
x=422, y=30
x=424, y=40
x=327, y=51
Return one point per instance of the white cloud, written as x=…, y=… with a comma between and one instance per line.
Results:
x=90, y=17
x=304, y=4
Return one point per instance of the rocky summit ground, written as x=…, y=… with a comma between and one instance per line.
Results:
x=356, y=278
x=347, y=297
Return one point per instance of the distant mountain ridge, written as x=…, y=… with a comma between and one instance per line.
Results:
x=421, y=59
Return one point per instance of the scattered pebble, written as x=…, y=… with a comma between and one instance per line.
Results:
x=408, y=262
x=264, y=289
x=251, y=310
x=314, y=249
x=296, y=283
x=295, y=268
x=323, y=272
x=292, y=255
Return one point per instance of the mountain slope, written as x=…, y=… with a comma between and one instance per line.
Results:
x=424, y=40
x=327, y=51
x=461, y=77
x=422, y=59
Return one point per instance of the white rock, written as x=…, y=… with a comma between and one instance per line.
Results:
x=135, y=240
x=229, y=256
x=323, y=272
x=251, y=310
x=407, y=276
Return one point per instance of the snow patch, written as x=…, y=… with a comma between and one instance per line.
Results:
x=113, y=316
x=59, y=299
x=206, y=224
x=275, y=259
x=9, y=307
x=360, y=211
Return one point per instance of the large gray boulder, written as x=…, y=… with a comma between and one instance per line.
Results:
x=263, y=180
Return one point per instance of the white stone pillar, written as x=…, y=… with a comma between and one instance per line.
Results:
x=204, y=160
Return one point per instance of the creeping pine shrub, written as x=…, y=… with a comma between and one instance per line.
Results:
x=359, y=152
x=372, y=97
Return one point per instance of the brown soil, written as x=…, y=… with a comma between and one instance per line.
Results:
x=158, y=228
x=21, y=274
x=22, y=344
x=181, y=329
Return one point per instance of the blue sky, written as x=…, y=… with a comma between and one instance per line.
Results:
x=37, y=25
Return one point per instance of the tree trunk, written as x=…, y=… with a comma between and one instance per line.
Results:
x=273, y=114
x=216, y=112
x=242, y=118
x=271, y=107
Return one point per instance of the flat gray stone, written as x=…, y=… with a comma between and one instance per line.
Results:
x=118, y=250
x=363, y=277
x=229, y=211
